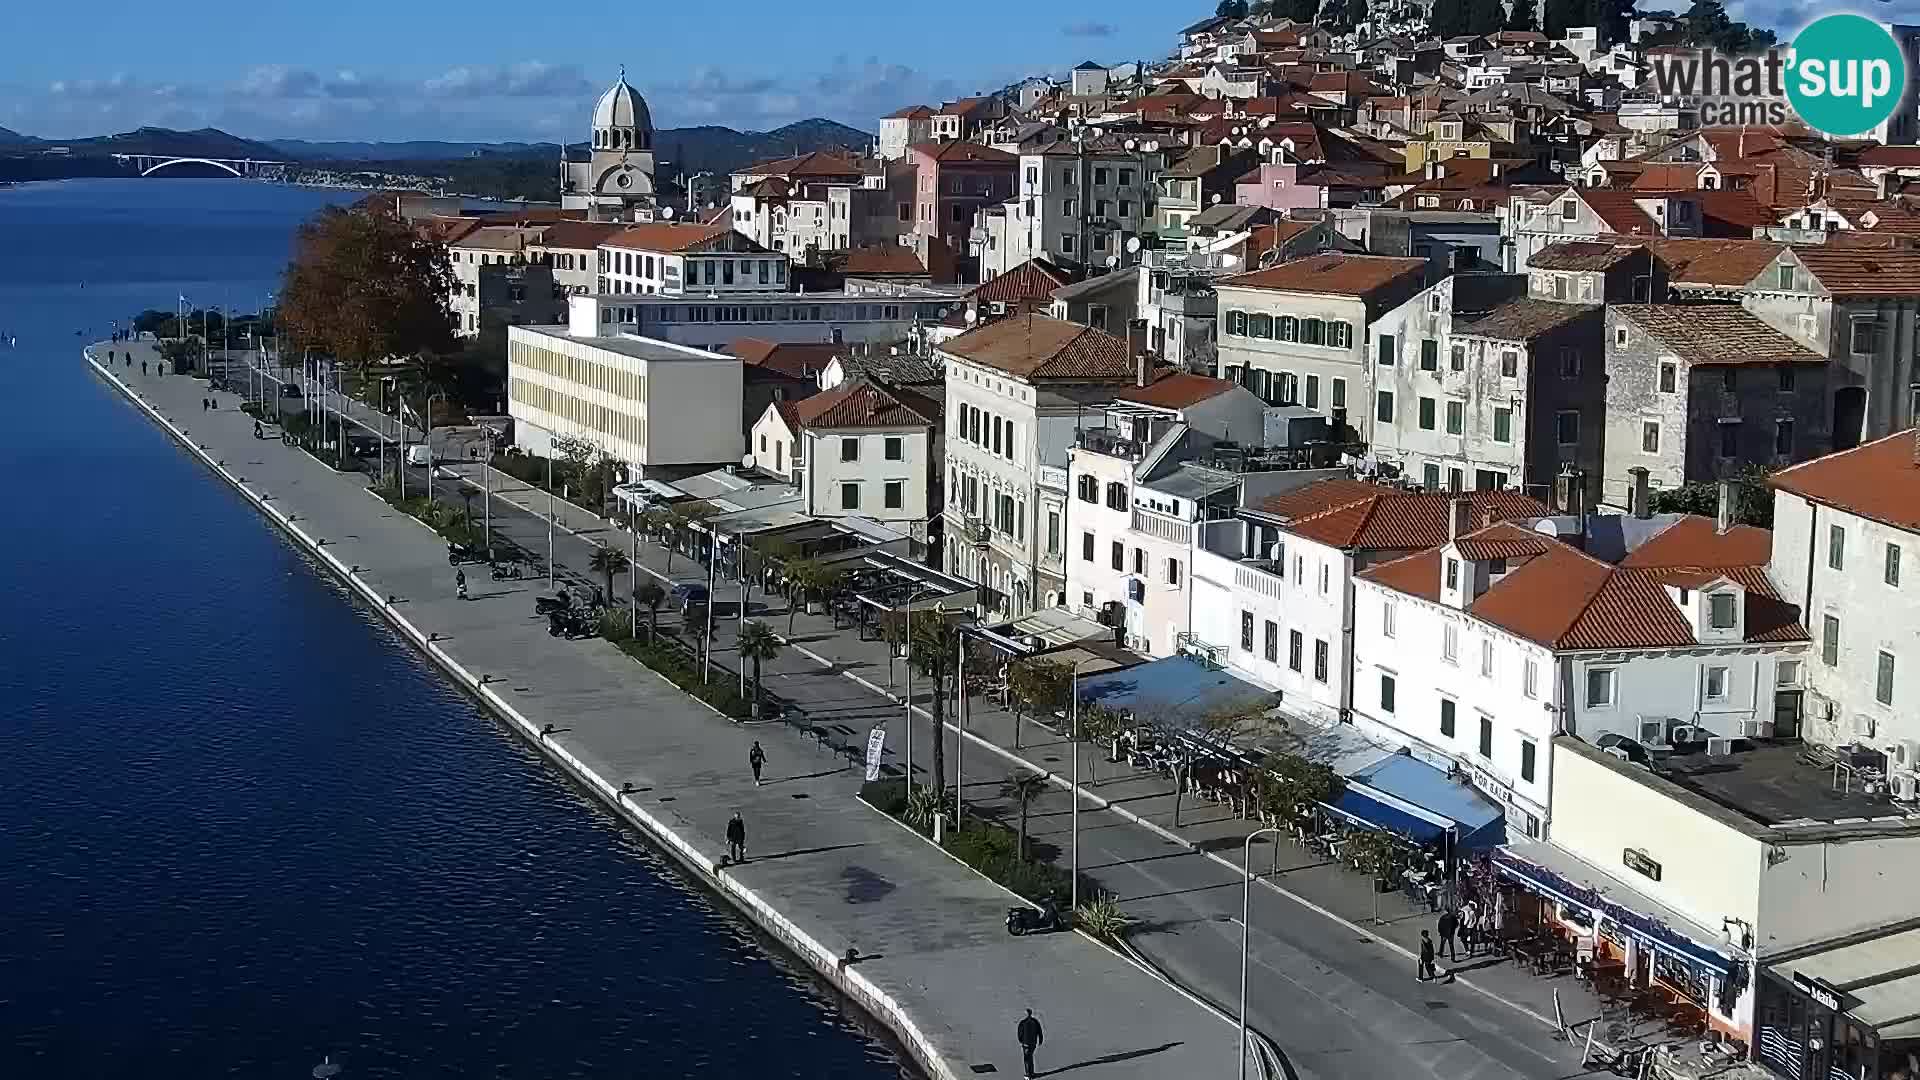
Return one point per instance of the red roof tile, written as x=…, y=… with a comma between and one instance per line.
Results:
x=965, y=153
x=1176, y=390
x=799, y=361
x=1717, y=334
x=1038, y=347
x=1333, y=273
x=1031, y=281
x=668, y=236
x=1863, y=272
x=1879, y=480
x=1353, y=514
x=1692, y=543
x=862, y=403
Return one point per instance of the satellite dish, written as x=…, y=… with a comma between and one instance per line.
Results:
x=1216, y=198
x=1097, y=132
x=746, y=460
x=973, y=316
x=1113, y=261
x=1133, y=245
x=1133, y=144
x=1229, y=261
x=667, y=212
x=1153, y=145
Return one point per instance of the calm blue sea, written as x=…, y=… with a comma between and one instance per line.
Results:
x=241, y=827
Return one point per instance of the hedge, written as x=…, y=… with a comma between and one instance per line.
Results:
x=987, y=847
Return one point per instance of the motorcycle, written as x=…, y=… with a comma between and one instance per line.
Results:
x=509, y=571
x=550, y=605
x=1025, y=920
x=461, y=553
x=569, y=623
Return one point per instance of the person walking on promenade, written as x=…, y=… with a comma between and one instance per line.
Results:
x=1427, y=970
x=1449, y=926
x=736, y=839
x=757, y=758
x=143, y=367
x=460, y=582
x=1470, y=925
x=1030, y=1037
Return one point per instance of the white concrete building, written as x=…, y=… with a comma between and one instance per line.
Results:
x=676, y=259
x=1017, y=390
x=661, y=408
x=776, y=445
x=487, y=246
x=1478, y=652
x=1847, y=554
x=1075, y=204
x=779, y=316
x=870, y=451
x=571, y=249
x=902, y=128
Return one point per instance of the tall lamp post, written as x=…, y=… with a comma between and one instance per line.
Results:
x=1073, y=886
x=1246, y=913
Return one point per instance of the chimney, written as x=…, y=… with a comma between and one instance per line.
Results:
x=1140, y=369
x=1638, y=500
x=1723, y=518
x=1459, y=517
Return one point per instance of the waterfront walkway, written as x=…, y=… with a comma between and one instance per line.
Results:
x=1331, y=986
x=930, y=931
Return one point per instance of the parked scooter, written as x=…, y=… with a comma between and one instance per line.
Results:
x=505, y=571
x=1025, y=920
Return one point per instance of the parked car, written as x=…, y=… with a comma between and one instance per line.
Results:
x=688, y=594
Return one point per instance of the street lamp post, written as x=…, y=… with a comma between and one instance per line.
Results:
x=1246, y=914
x=1073, y=886
x=713, y=582
x=552, y=578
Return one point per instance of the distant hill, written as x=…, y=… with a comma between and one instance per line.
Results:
x=206, y=142
x=695, y=149
x=14, y=138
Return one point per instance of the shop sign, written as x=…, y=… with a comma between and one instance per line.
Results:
x=1818, y=991
x=1640, y=862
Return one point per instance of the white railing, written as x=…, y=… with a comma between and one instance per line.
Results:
x=1161, y=527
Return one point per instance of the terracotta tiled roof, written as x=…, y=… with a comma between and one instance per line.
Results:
x=1620, y=212
x=1582, y=255
x=911, y=112
x=882, y=259
x=861, y=403
x=1031, y=281
x=1717, y=334
x=1333, y=273
x=773, y=187
x=579, y=234
x=799, y=361
x=950, y=153
x=1858, y=272
x=1176, y=390
x=1524, y=318
x=668, y=236
x=1692, y=543
x=1733, y=213
x=1503, y=541
x=1878, y=480
x=817, y=163
x=1037, y=347
x=1354, y=514
x=789, y=413
x=1890, y=157
x=1714, y=263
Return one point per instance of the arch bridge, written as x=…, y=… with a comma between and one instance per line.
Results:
x=242, y=168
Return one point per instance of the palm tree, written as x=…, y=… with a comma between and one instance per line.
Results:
x=1021, y=786
x=652, y=595
x=609, y=561
x=935, y=651
x=758, y=642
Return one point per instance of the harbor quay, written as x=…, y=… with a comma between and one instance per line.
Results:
x=912, y=937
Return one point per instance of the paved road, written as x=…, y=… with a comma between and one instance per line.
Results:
x=847, y=876
x=1340, y=1001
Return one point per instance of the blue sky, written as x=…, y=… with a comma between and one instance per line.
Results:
x=487, y=69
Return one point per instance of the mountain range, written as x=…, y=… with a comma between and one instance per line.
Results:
x=694, y=149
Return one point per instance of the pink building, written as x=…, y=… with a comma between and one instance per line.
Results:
x=954, y=180
x=1277, y=187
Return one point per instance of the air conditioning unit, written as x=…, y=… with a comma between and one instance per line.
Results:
x=1718, y=747
x=1905, y=754
x=1756, y=729
x=1653, y=732
x=1687, y=734
x=1906, y=787
x=1862, y=726
x=1620, y=753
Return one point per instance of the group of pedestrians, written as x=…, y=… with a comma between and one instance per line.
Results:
x=1473, y=927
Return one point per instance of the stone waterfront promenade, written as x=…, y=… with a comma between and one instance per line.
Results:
x=825, y=872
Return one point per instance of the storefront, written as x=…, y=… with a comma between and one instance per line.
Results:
x=1851, y=1012
x=1652, y=945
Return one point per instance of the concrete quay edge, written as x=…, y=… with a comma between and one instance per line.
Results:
x=848, y=980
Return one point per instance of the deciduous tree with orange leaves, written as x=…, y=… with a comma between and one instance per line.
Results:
x=363, y=286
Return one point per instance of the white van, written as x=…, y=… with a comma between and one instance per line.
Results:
x=420, y=454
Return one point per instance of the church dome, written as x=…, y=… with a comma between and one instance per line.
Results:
x=622, y=107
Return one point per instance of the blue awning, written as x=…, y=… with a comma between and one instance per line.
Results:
x=1560, y=875
x=1403, y=795
x=1178, y=688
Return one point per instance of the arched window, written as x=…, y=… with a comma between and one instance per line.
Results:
x=1262, y=327
x=1289, y=328
x=1312, y=331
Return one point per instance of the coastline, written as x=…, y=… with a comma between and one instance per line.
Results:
x=940, y=986
x=766, y=918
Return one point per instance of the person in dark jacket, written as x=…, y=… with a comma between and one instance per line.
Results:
x=757, y=758
x=1449, y=926
x=1030, y=1037
x=1427, y=970
x=736, y=838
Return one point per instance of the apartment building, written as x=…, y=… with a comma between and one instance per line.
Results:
x=680, y=259
x=954, y=181
x=1017, y=388
x=1847, y=555
x=1074, y=204
x=1542, y=217
x=872, y=451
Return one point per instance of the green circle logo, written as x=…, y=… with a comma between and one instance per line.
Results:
x=1847, y=74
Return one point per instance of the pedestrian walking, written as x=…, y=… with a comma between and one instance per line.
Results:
x=757, y=758
x=1030, y=1037
x=143, y=367
x=1470, y=925
x=1449, y=926
x=736, y=839
x=460, y=583
x=1427, y=970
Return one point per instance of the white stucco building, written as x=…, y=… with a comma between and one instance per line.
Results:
x=661, y=408
x=1847, y=553
x=870, y=451
x=679, y=259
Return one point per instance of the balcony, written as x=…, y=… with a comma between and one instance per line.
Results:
x=1160, y=526
x=1190, y=300
x=1053, y=477
x=1107, y=443
x=976, y=531
x=1167, y=259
